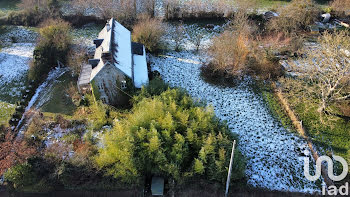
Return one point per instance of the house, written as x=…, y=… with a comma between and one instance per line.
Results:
x=118, y=63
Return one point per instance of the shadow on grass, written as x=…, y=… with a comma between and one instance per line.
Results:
x=59, y=101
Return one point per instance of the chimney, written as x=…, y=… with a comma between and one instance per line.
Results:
x=108, y=26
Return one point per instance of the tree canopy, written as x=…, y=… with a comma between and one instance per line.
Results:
x=169, y=135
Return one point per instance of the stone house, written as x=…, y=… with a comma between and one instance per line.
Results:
x=117, y=64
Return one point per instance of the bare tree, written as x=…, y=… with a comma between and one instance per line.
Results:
x=178, y=36
x=327, y=70
x=196, y=35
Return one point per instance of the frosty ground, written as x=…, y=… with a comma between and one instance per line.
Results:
x=275, y=156
x=14, y=58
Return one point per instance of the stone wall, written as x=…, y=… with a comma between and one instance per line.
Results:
x=106, y=82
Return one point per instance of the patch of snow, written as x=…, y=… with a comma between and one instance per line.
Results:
x=14, y=61
x=274, y=155
x=41, y=93
x=18, y=34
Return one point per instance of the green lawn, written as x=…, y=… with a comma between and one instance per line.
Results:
x=329, y=133
x=60, y=102
x=275, y=107
x=6, y=111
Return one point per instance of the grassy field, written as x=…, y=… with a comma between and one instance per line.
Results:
x=275, y=106
x=60, y=102
x=6, y=111
x=332, y=134
x=329, y=134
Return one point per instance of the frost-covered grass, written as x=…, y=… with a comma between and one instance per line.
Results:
x=86, y=34
x=13, y=70
x=274, y=155
x=18, y=34
x=14, y=59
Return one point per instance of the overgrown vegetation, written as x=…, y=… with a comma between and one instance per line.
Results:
x=33, y=12
x=326, y=73
x=172, y=136
x=53, y=47
x=242, y=49
x=329, y=133
x=296, y=16
x=166, y=133
x=125, y=12
x=149, y=32
x=341, y=7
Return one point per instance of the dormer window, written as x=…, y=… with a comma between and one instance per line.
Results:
x=123, y=85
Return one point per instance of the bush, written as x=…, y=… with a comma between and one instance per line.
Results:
x=230, y=53
x=172, y=136
x=124, y=12
x=25, y=17
x=33, y=12
x=155, y=87
x=31, y=176
x=149, y=32
x=296, y=16
x=230, y=50
x=14, y=151
x=76, y=58
x=341, y=7
x=53, y=46
x=21, y=175
x=265, y=66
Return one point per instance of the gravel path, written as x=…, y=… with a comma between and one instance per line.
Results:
x=274, y=155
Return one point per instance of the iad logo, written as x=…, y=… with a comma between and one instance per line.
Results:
x=332, y=190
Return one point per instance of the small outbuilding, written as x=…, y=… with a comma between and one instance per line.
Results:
x=157, y=186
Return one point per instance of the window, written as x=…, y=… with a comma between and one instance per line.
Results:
x=104, y=100
x=123, y=84
x=101, y=87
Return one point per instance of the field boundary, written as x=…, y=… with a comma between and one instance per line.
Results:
x=301, y=130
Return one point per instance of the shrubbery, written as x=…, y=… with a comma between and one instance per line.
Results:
x=296, y=16
x=125, y=12
x=341, y=7
x=169, y=135
x=240, y=50
x=25, y=17
x=33, y=12
x=149, y=32
x=53, y=46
